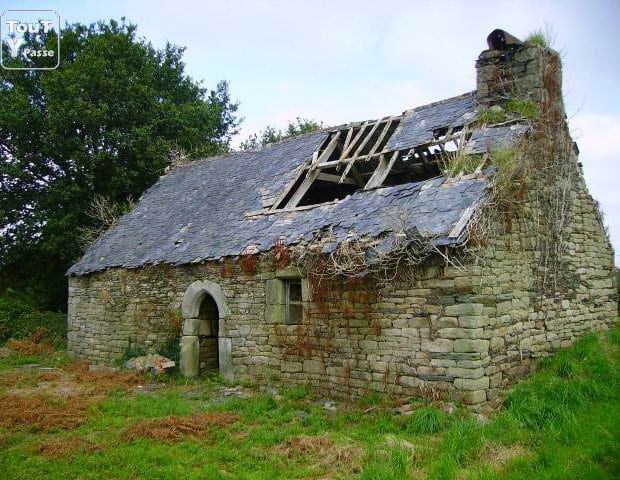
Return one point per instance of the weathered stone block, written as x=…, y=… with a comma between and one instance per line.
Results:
x=313, y=366
x=411, y=382
x=444, y=322
x=437, y=345
x=463, y=309
x=497, y=344
x=191, y=326
x=495, y=380
x=368, y=345
x=475, y=321
x=467, y=345
x=470, y=363
x=474, y=397
x=465, y=372
x=274, y=291
x=189, y=350
x=460, y=333
x=504, y=307
x=275, y=314
x=411, y=333
x=481, y=383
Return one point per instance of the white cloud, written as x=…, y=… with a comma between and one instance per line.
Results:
x=597, y=134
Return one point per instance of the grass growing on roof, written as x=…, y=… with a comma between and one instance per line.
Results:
x=460, y=163
x=538, y=37
x=489, y=116
x=561, y=423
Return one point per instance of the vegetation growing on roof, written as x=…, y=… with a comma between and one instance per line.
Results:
x=459, y=163
x=489, y=116
x=523, y=107
x=538, y=37
x=509, y=108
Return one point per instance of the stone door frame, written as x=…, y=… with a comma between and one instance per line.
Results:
x=190, y=309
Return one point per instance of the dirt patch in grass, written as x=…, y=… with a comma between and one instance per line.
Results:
x=498, y=455
x=173, y=428
x=43, y=412
x=31, y=381
x=323, y=449
x=102, y=380
x=55, y=447
x=28, y=378
x=106, y=379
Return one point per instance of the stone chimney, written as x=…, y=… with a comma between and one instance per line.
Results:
x=512, y=69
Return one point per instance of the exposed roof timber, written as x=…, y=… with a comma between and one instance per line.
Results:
x=329, y=149
x=343, y=161
x=350, y=163
x=361, y=147
x=348, y=139
x=382, y=171
x=365, y=141
x=357, y=177
x=303, y=189
x=302, y=171
x=219, y=206
x=460, y=225
x=360, y=134
x=328, y=177
x=386, y=128
x=395, y=149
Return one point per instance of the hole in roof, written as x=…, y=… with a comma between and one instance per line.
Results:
x=354, y=158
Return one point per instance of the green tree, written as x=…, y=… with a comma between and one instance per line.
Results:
x=271, y=135
x=103, y=124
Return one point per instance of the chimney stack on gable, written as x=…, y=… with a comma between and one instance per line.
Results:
x=512, y=69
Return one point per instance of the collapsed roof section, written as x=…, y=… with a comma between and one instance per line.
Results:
x=411, y=147
x=359, y=181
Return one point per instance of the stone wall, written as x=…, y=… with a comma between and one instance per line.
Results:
x=503, y=75
x=459, y=332
x=523, y=320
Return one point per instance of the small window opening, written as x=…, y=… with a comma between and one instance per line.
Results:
x=294, y=304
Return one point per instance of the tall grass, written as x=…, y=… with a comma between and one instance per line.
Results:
x=561, y=423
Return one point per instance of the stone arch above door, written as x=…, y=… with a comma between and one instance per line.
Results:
x=190, y=309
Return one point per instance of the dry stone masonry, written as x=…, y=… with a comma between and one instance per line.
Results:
x=466, y=328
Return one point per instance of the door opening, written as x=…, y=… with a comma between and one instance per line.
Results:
x=208, y=334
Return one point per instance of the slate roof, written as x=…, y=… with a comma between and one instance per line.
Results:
x=215, y=207
x=418, y=125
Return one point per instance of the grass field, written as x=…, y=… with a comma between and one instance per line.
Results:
x=60, y=420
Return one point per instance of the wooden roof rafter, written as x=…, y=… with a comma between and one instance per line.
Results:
x=337, y=161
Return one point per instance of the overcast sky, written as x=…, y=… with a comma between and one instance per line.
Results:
x=341, y=61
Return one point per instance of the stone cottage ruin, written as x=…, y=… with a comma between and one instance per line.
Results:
x=440, y=250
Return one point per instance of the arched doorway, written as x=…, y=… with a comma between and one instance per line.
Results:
x=208, y=356
x=204, y=343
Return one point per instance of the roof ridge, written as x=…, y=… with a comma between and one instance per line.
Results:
x=438, y=102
